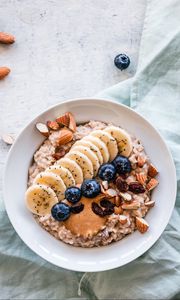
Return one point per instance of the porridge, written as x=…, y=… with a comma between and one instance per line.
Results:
x=90, y=184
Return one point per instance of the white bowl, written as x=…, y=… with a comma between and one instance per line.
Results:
x=115, y=254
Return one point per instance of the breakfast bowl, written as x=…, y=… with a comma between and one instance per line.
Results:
x=110, y=255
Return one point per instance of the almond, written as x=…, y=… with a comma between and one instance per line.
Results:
x=72, y=122
x=133, y=205
x=141, y=161
x=8, y=139
x=150, y=203
x=111, y=193
x=105, y=184
x=118, y=210
x=64, y=120
x=141, y=178
x=126, y=196
x=122, y=219
x=152, y=184
x=141, y=225
x=152, y=171
x=117, y=201
x=43, y=129
x=4, y=71
x=65, y=137
x=6, y=38
x=53, y=125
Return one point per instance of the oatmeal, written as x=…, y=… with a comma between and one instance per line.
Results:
x=90, y=184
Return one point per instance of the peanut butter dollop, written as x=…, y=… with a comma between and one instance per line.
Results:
x=86, y=223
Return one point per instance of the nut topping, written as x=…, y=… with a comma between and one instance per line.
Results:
x=63, y=120
x=152, y=171
x=43, y=129
x=65, y=136
x=53, y=125
x=152, y=184
x=141, y=225
x=133, y=205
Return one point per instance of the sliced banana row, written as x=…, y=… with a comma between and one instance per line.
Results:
x=81, y=162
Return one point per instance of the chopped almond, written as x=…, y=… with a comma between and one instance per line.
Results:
x=8, y=139
x=150, y=203
x=141, y=225
x=118, y=210
x=133, y=205
x=122, y=219
x=141, y=178
x=53, y=125
x=141, y=161
x=152, y=171
x=63, y=120
x=152, y=184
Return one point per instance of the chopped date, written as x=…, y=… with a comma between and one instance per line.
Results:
x=77, y=208
x=106, y=204
x=109, y=211
x=121, y=185
x=136, y=188
x=97, y=209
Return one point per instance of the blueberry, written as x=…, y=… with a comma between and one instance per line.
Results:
x=122, y=164
x=107, y=172
x=122, y=61
x=90, y=188
x=73, y=194
x=60, y=211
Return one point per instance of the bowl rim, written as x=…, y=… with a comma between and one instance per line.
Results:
x=149, y=244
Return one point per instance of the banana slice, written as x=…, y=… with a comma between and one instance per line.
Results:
x=73, y=167
x=40, y=199
x=64, y=173
x=90, y=154
x=83, y=161
x=101, y=145
x=53, y=181
x=123, y=139
x=108, y=140
x=92, y=147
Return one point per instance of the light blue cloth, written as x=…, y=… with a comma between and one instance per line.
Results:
x=155, y=93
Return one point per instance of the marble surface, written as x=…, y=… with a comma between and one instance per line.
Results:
x=64, y=49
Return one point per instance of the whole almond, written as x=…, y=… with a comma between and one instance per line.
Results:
x=4, y=71
x=8, y=139
x=65, y=137
x=6, y=38
x=63, y=120
x=43, y=129
x=72, y=122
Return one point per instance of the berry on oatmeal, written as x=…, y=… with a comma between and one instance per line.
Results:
x=90, y=188
x=60, y=211
x=73, y=194
x=122, y=164
x=107, y=172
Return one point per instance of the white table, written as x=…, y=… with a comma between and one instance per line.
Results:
x=64, y=49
